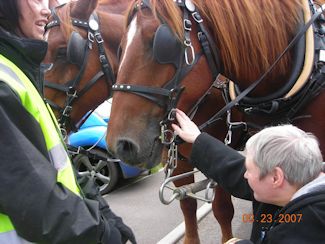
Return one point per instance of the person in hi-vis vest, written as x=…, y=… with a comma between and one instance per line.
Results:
x=40, y=199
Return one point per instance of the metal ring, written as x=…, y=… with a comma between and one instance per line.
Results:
x=192, y=55
x=166, y=133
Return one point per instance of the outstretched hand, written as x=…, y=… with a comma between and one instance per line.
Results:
x=187, y=129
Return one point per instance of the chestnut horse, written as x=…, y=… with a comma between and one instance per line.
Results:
x=83, y=56
x=172, y=55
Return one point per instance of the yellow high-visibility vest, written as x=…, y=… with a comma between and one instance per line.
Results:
x=34, y=104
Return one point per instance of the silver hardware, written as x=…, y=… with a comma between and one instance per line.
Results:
x=171, y=114
x=48, y=67
x=187, y=24
x=99, y=38
x=64, y=133
x=322, y=55
x=189, y=47
x=167, y=136
x=91, y=39
x=186, y=191
x=194, y=15
x=230, y=124
x=189, y=5
x=171, y=162
x=93, y=25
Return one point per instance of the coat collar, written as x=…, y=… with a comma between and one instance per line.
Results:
x=26, y=53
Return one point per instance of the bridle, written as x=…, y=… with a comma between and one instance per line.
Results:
x=77, y=53
x=167, y=49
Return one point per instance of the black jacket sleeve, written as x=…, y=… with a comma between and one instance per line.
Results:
x=222, y=164
x=227, y=167
x=42, y=210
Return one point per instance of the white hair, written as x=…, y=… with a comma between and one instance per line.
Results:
x=296, y=152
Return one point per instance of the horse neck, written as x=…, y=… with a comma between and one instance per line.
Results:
x=249, y=45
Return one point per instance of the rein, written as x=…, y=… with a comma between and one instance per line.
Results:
x=243, y=94
x=80, y=58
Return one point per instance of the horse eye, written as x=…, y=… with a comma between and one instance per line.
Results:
x=61, y=53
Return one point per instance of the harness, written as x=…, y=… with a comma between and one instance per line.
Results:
x=169, y=50
x=305, y=82
x=78, y=50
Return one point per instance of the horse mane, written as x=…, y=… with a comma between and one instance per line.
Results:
x=166, y=10
x=252, y=34
x=248, y=34
x=65, y=19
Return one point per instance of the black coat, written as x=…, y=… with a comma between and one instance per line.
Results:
x=271, y=224
x=42, y=210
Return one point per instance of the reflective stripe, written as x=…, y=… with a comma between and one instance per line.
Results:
x=10, y=72
x=58, y=156
x=11, y=237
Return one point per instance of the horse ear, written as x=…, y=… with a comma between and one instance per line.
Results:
x=83, y=9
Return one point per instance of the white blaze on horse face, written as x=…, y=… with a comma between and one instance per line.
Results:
x=130, y=36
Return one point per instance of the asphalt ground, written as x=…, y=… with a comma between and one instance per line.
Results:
x=137, y=202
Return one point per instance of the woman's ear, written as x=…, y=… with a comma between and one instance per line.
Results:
x=277, y=177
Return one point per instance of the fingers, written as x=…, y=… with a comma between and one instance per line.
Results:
x=181, y=115
x=182, y=119
x=177, y=129
x=186, y=128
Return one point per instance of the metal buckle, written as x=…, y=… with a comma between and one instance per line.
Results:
x=221, y=84
x=99, y=38
x=67, y=110
x=72, y=92
x=197, y=17
x=91, y=37
x=165, y=134
x=187, y=24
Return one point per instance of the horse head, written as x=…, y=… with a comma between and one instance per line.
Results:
x=83, y=41
x=165, y=63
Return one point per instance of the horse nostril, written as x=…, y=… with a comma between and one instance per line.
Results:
x=126, y=145
x=127, y=150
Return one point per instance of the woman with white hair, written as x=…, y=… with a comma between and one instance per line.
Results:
x=281, y=173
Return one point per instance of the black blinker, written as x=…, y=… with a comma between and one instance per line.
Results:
x=76, y=49
x=166, y=47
